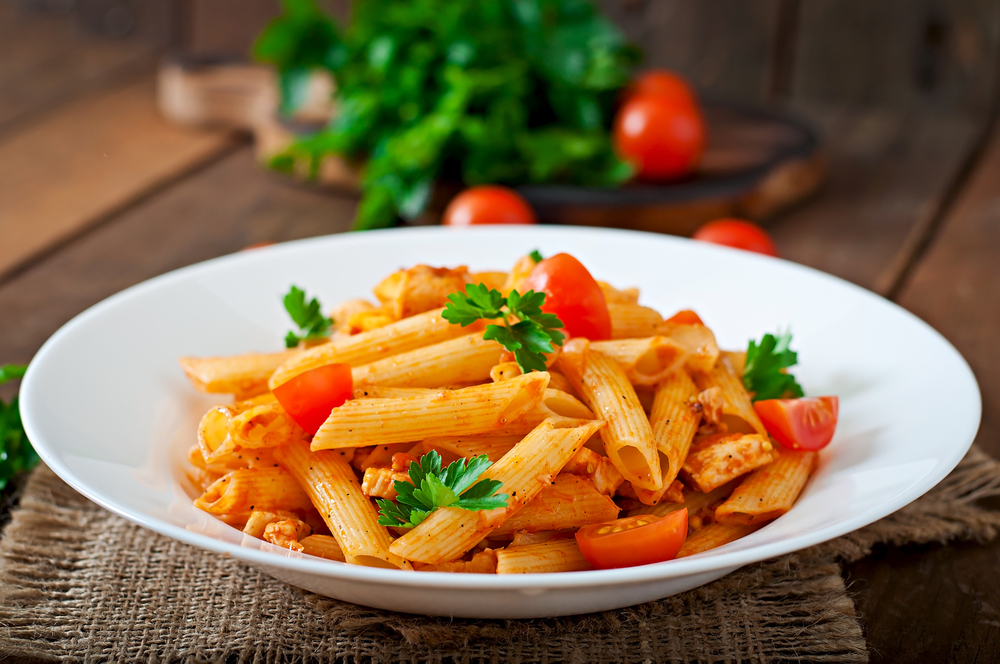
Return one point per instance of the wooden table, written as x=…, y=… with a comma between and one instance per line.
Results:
x=97, y=193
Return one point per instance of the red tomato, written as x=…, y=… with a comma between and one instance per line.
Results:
x=635, y=540
x=686, y=317
x=488, y=205
x=739, y=234
x=309, y=397
x=662, y=137
x=662, y=83
x=573, y=295
x=806, y=423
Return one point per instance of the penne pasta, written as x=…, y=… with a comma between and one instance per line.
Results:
x=468, y=411
x=698, y=342
x=614, y=295
x=333, y=489
x=630, y=320
x=646, y=361
x=242, y=375
x=399, y=337
x=483, y=562
x=556, y=556
x=737, y=409
x=769, y=491
x=674, y=425
x=323, y=546
x=713, y=536
x=628, y=438
x=467, y=359
x=247, y=489
x=494, y=447
x=570, y=501
x=449, y=532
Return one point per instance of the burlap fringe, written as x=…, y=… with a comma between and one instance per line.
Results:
x=80, y=584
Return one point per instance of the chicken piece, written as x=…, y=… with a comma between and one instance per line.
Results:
x=420, y=288
x=379, y=482
x=287, y=533
x=711, y=405
x=597, y=468
x=484, y=562
x=714, y=460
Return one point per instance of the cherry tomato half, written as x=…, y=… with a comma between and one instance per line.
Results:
x=572, y=294
x=489, y=204
x=662, y=138
x=685, y=317
x=664, y=83
x=806, y=423
x=635, y=540
x=309, y=397
x=739, y=234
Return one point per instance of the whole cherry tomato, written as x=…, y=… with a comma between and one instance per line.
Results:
x=635, y=540
x=488, y=204
x=572, y=294
x=806, y=423
x=739, y=234
x=662, y=138
x=664, y=83
x=309, y=397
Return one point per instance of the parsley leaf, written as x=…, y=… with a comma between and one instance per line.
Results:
x=16, y=453
x=536, y=256
x=529, y=339
x=764, y=375
x=312, y=324
x=432, y=487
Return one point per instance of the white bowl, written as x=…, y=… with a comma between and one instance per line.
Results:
x=108, y=408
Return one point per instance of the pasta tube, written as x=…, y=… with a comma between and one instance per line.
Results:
x=630, y=320
x=467, y=359
x=468, y=411
x=333, y=488
x=247, y=489
x=366, y=347
x=449, y=532
x=713, y=536
x=646, y=361
x=555, y=556
x=737, y=410
x=674, y=425
x=628, y=438
x=242, y=375
x=698, y=342
x=769, y=491
x=569, y=502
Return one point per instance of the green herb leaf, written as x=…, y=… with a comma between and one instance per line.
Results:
x=431, y=487
x=764, y=374
x=529, y=339
x=16, y=453
x=536, y=256
x=307, y=316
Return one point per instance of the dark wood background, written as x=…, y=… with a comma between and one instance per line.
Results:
x=903, y=91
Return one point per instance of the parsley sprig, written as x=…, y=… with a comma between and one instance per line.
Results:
x=16, y=453
x=432, y=487
x=763, y=374
x=529, y=338
x=312, y=324
x=536, y=256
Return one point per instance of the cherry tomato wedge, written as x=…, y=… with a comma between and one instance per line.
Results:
x=806, y=423
x=488, y=204
x=309, y=397
x=663, y=83
x=739, y=234
x=635, y=540
x=686, y=317
x=662, y=138
x=572, y=294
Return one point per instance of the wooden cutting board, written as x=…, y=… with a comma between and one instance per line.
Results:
x=757, y=162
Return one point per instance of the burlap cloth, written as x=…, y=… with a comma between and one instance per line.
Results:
x=80, y=584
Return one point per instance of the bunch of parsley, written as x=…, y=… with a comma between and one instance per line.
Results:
x=472, y=91
x=16, y=453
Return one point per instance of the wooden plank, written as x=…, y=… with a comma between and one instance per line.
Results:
x=86, y=160
x=956, y=287
x=228, y=205
x=46, y=59
x=723, y=47
x=887, y=173
x=898, y=53
x=939, y=603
